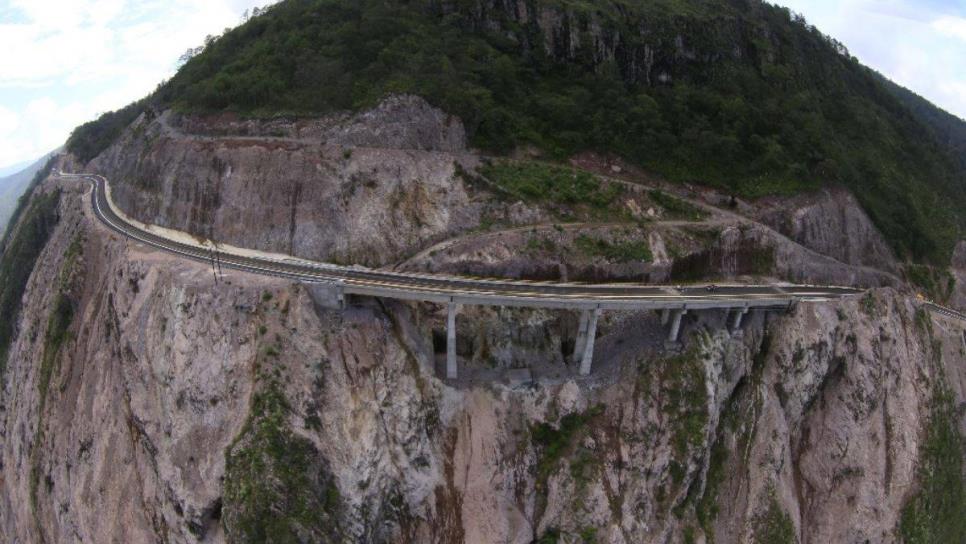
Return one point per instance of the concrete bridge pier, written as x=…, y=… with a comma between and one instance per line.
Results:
x=327, y=295
x=451, y=368
x=735, y=318
x=676, y=316
x=665, y=316
x=581, y=341
x=589, y=337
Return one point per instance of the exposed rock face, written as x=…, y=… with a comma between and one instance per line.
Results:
x=700, y=252
x=958, y=299
x=398, y=122
x=571, y=34
x=183, y=411
x=364, y=189
x=832, y=223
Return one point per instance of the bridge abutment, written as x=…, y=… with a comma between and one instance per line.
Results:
x=328, y=295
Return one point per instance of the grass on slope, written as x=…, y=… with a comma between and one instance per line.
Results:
x=734, y=93
x=547, y=183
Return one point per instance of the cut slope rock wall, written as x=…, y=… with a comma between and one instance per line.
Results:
x=832, y=223
x=368, y=189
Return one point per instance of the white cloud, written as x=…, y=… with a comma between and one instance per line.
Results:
x=951, y=26
x=9, y=121
x=66, y=61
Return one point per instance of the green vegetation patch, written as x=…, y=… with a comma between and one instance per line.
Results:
x=277, y=487
x=550, y=536
x=677, y=208
x=24, y=200
x=18, y=259
x=937, y=512
x=91, y=139
x=552, y=184
x=621, y=252
x=774, y=525
x=684, y=392
x=937, y=283
x=706, y=508
x=553, y=442
x=540, y=244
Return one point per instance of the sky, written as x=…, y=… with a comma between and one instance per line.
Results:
x=64, y=62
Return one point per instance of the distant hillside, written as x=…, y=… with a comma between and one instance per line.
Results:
x=13, y=187
x=13, y=169
x=737, y=94
x=947, y=128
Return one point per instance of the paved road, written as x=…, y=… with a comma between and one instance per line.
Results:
x=948, y=312
x=461, y=290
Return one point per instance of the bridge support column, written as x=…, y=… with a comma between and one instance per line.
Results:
x=581, y=341
x=587, y=355
x=451, y=368
x=665, y=316
x=676, y=316
x=734, y=321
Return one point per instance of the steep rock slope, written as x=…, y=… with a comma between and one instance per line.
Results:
x=363, y=189
x=958, y=299
x=832, y=223
x=165, y=407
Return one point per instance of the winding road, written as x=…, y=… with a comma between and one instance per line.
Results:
x=461, y=290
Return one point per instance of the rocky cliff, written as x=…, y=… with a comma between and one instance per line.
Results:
x=144, y=402
x=958, y=269
x=362, y=189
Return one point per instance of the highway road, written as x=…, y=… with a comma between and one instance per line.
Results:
x=948, y=312
x=470, y=291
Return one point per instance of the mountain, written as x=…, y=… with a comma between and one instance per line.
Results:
x=948, y=129
x=736, y=94
x=14, y=186
x=453, y=147
x=13, y=169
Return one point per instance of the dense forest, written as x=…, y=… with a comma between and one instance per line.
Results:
x=948, y=129
x=736, y=94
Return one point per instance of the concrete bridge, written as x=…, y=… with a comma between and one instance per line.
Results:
x=591, y=300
